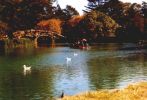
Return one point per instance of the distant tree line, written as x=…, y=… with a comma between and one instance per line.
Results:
x=102, y=19
x=131, y=18
x=106, y=19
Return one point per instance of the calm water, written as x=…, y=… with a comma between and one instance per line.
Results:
x=103, y=66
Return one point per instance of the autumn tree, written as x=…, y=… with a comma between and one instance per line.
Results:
x=65, y=15
x=24, y=14
x=3, y=27
x=51, y=25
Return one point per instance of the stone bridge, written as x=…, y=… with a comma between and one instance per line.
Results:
x=39, y=36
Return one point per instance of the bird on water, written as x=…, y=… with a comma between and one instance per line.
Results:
x=62, y=94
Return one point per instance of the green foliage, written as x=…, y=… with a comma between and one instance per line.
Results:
x=99, y=24
x=127, y=15
x=71, y=28
x=102, y=19
x=67, y=13
x=24, y=14
x=144, y=9
x=144, y=12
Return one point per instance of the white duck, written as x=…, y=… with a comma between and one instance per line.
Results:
x=75, y=54
x=26, y=68
x=68, y=59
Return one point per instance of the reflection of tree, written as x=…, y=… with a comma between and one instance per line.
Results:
x=103, y=72
x=15, y=86
x=133, y=68
x=98, y=24
x=18, y=87
x=109, y=72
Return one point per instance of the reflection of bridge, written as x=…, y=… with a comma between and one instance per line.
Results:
x=39, y=36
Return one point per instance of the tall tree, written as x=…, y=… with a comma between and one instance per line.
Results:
x=24, y=14
x=92, y=4
x=71, y=27
x=98, y=24
x=144, y=11
x=70, y=11
x=67, y=13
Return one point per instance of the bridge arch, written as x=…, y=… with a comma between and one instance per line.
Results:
x=44, y=41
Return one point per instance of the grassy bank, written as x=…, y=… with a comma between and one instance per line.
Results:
x=132, y=92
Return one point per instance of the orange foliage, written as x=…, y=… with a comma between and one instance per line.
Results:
x=53, y=25
x=3, y=26
x=75, y=20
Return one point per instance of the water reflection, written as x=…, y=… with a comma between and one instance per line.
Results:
x=98, y=68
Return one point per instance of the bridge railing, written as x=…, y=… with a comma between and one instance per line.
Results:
x=36, y=33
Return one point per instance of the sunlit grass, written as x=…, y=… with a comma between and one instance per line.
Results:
x=132, y=92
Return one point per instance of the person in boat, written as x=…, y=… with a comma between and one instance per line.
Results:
x=83, y=43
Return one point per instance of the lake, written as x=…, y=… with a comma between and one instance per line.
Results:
x=104, y=66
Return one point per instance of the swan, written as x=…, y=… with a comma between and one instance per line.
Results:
x=75, y=54
x=26, y=68
x=68, y=59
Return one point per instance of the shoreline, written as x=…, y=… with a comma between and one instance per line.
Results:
x=135, y=91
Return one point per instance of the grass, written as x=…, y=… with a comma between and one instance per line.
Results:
x=136, y=91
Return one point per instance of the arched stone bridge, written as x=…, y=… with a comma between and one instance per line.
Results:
x=38, y=35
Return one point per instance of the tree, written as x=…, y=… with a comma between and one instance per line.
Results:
x=70, y=11
x=93, y=4
x=67, y=13
x=70, y=28
x=127, y=15
x=144, y=11
x=74, y=21
x=3, y=27
x=24, y=14
x=98, y=24
x=52, y=25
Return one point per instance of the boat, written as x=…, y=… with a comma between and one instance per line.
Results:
x=81, y=44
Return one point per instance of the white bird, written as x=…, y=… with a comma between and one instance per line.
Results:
x=68, y=59
x=75, y=54
x=26, y=68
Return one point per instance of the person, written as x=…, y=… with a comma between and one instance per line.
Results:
x=84, y=42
